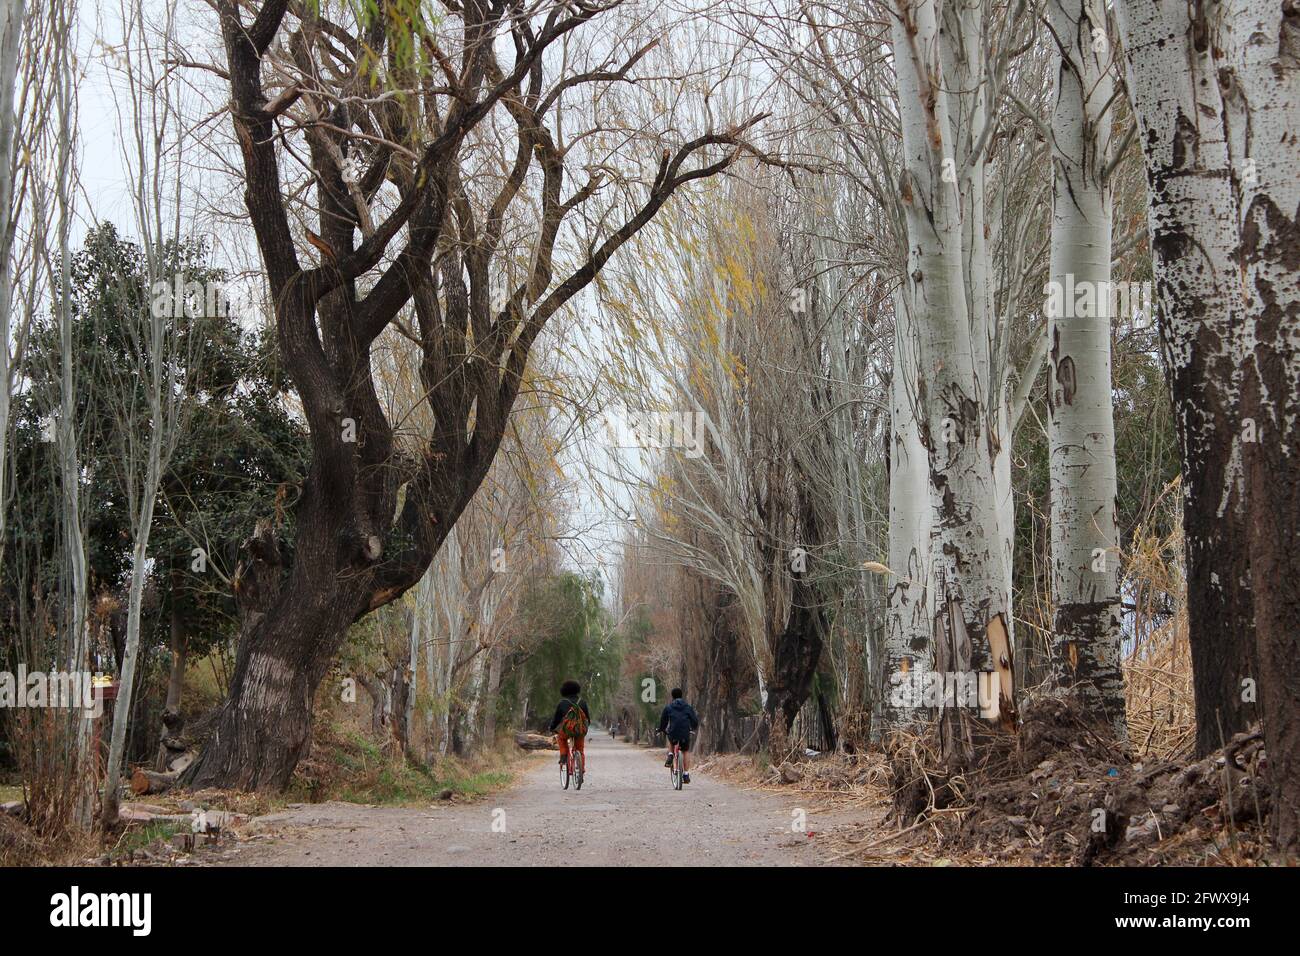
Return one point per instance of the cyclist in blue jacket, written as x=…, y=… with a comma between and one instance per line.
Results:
x=677, y=721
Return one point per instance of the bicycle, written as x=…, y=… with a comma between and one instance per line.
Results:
x=572, y=769
x=675, y=771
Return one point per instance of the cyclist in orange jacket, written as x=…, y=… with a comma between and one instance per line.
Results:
x=571, y=701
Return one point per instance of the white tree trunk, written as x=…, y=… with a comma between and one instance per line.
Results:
x=431, y=681
x=969, y=559
x=1258, y=45
x=848, y=488
x=1172, y=84
x=11, y=23
x=907, y=638
x=1004, y=427
x=1081, y=428
x=421, y=624
x=154, y=365
x=135, y=602
x=76, y=589
x=153, y=150
x=966, y=69
x=490, y=697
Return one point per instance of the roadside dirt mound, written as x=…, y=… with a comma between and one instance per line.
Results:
x=1062, y=792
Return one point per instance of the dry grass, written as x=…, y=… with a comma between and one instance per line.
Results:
x=348, y=762
x=1158, y=668
x=57, y=789
x=831, y=781
x=20, y=846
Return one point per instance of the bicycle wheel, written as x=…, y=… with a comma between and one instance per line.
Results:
x=677, y=769
x=564, y=773
x=579, y=764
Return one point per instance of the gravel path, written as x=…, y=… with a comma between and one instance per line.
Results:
x=626, y=814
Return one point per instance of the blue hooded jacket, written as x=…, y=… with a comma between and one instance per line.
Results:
x=678, y=720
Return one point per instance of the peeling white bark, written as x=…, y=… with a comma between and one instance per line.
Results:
x=969, y=559
x=1081, y=428
x=907, y=638
x=1172, y=85
x=1257, y=44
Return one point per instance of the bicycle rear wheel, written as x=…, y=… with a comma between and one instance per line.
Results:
x=677, y=769
x=564, y=773
x=579, y=765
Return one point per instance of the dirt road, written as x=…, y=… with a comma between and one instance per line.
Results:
x=625, y=815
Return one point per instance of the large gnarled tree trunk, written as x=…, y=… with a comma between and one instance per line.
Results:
x=389, y=170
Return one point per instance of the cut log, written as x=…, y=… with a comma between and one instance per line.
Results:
x=535, y=742
x=147, y=781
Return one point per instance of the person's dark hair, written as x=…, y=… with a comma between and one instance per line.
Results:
x=677, y=693
x=570, y=688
